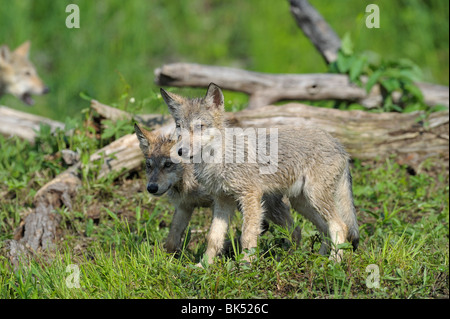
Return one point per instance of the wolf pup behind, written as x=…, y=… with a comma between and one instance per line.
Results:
x=178, y=181
x=312, y=171
x=18, y=75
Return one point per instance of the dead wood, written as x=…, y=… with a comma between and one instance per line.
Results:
x=413, y=137
x=316, y=29
x=23, y=125
x=150, y=120
x=39, y=228
x=265, y=88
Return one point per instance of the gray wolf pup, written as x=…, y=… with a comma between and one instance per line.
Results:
x=313, y=172
x=177, y=180
x=18, y=75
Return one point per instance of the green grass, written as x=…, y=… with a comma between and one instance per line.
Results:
x=116, y=231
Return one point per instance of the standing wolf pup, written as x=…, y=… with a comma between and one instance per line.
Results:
x=178, y=181
x=18, y=75
x=313, y=172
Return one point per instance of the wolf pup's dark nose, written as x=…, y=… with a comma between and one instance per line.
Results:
x=152, y=188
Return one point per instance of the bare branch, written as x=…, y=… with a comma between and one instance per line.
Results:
x=316, y=29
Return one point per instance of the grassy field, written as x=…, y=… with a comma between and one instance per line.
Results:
x=115, y=232
x=112, y=240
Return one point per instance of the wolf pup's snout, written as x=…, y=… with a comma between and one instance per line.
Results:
x=152, y=188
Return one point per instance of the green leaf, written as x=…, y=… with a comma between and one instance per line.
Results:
x=85, y=96
x=414, y=91
x=412, y=108
x=112, y=215
x=345, y=246
x=344, y=62
x=390, y=84
x=397, y=108
x=108, y=133
x=357, y=67
x=355, y=106
x=333, y=67
x=347, y=44
x=439, y=108
x=89, y=227
x=408, y=75
x=373, y=79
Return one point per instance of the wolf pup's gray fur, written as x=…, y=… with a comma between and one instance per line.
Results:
x=184, y=192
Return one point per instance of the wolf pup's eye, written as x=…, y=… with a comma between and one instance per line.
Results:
x=177, y=125
x=167, y=164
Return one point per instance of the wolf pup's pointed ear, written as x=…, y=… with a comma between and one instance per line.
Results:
x=4, y=53
x=138, y=130
x=173, y=101
x=143, y=141
x=23, y=49
x=214, y=96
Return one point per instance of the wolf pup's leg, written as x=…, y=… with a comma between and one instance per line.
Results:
x=179, y=223
x=253, y=214
x=223, y=211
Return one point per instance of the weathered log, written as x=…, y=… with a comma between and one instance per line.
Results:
x=265, y=88
x=316, y=29
x=39, y=228
x=150, y=120
x=24, y=125
x=413, y=137
x=109, y=112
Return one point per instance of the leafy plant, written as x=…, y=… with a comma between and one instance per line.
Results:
x=395, y=77
x=116, y=129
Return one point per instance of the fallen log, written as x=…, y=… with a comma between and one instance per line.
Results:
x=412, y=137
x=23, y=125
x=150, y=120
x=38, y=230
x=265, y=88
